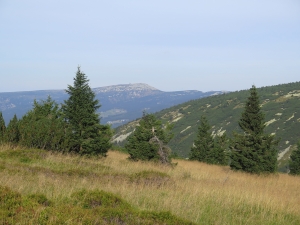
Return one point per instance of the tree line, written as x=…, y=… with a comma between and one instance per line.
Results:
x=251, y=150
x=72, y=127
x=75, y=127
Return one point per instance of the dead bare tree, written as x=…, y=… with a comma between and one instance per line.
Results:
x=163, y=150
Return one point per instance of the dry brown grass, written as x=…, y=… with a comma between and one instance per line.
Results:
x=201, y=193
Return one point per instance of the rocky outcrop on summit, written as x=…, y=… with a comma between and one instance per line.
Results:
x=126, y=87
x=121, y=92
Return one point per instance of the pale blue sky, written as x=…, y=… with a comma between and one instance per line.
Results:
x=168, y=44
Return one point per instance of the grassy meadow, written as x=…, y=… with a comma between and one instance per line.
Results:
x=42, y=187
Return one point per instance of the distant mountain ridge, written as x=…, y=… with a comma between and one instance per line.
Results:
x=119, y=103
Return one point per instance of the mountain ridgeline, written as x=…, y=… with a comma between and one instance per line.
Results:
x=280, y=104
x=119, y=103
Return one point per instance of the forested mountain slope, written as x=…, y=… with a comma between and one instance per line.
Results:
x=280, y=103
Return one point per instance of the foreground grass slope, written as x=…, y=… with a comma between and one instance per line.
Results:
x=50, y=188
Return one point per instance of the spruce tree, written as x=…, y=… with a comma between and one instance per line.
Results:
x=253, y=151
x=2, y=128
x=204, y=143
x=148, y=139
x=85, y=133
x=218, y=154
x=12, y=134
x=206, y=148
x=295, y=161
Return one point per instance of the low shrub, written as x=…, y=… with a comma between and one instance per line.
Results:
x=9, y=202
x=93, y=199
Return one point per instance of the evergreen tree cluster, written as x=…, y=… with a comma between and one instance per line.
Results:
x=43, y=127
x=295, y=161
x=74, y=127
x=149, y=140
x=251, y=151
x=206, y=148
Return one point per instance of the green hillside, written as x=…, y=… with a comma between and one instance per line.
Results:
x=280, y=104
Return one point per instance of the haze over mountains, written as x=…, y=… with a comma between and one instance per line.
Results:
x=119, y=103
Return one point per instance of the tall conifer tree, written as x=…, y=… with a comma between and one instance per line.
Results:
x=206, y=148
x=2, y=128
x=204, y=142
x=12, y=133
x=86, y=134
x=253, y=151
x=295, y=161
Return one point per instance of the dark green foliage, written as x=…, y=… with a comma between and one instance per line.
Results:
x=295, y=161
x=219, y=151
x=2, y=128
x=139, y=144
x=118, y=148
x=206, y=148
x=103, y=140
x=43, y=127
x=12, y=134
x=253, y=151
x=204, y=142
x=86, y=134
